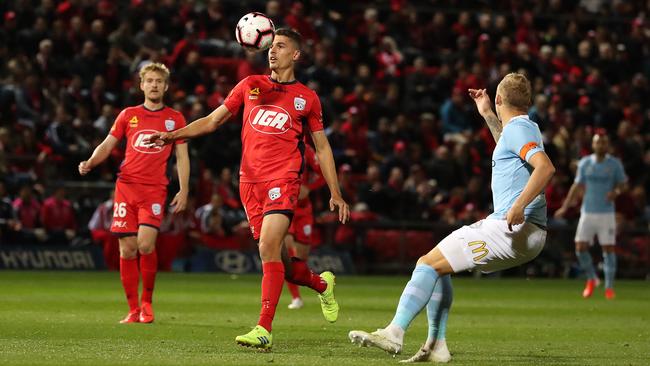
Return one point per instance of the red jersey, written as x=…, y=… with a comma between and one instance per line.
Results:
x=144, y=164
x=276, y=116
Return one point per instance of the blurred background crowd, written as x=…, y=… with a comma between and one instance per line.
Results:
x=392, y=77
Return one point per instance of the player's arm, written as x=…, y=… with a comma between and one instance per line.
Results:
x=574, y=192
x=543, y=171
x=328, y=168
x=101, y=152
x=619, y=188
x=484, y=106
x=197, y=128
x=183, y=168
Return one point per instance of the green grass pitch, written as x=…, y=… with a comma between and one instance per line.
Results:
x=66, y=318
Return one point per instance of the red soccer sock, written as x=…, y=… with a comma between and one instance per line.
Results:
x=272, y=281
x=303, y=276
x=130, y=280
x=294, y=289
x=148, y=267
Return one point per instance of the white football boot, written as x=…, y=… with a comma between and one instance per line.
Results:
x=439, y=354
x=296, y=303
x=380, y=338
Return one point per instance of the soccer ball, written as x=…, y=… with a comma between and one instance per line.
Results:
x=255, y=32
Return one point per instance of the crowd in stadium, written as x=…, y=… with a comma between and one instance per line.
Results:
x=392, y=79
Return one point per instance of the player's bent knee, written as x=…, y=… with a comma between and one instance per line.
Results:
x=270, y=251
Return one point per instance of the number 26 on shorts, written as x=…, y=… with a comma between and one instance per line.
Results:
x=119, y=209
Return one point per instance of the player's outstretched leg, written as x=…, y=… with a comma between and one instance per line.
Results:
x=415, y=297
x=435, y=348
x=300, y=274
x=609, y=257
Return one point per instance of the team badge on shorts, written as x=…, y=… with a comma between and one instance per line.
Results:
x=306, y=229
x=274, y=193
x=170, y=124
x=156, y=209
x=299, y=103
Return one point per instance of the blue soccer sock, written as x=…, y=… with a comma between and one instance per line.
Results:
x=587, y=264
x=610, y=268
x=415, y=296
x=438, y=310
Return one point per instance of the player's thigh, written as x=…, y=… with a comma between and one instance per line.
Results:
x=490, y=246
x=252, y=207
x=587, y=229
x=125, y=210
x=606, y=230
x=437, y=261
x=151, y=205
x=274, y=229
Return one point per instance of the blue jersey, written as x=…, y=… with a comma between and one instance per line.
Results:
x=598, y=179
x=520, y=140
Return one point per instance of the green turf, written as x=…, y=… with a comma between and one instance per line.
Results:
x=58, y=318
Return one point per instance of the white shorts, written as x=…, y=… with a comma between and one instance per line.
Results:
x=490, y=246
x=602, y=225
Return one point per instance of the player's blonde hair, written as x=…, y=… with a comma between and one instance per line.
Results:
x=155, y=67
x=515, y=91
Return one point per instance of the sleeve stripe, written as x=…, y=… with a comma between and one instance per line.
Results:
x=526, y=148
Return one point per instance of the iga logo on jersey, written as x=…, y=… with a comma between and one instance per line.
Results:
x=139, y=144
x=270, y=119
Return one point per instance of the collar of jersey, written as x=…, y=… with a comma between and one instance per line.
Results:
x=152, y=110
x=283, y=82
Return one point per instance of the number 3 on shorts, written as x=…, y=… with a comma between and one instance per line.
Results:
x=119, y=209
x=478, y=247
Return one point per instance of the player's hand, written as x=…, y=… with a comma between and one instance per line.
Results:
x=159, y=139
x=84, y=168
x=482, y=100
x=304, y=192
x=179, y=202
x=560, y=213
x=611, y=196
x=515, y=216
x=344, y=209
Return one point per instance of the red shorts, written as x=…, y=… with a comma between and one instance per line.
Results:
x=302, y=225
x=137, y=204
x=264, y=198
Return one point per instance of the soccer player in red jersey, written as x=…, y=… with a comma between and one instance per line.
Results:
x=141, y=187
x=299, y=239
x=278, y=111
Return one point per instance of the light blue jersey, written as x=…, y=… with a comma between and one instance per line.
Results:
x=520, y=140
x=598, y=179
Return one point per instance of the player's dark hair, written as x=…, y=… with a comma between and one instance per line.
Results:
x=292, y=34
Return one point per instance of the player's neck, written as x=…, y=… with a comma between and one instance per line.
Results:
x=508, y=114
x=153, y=106
x=283, y=76
x=600, y=157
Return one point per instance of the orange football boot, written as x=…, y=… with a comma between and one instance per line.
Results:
x=146, y=313
x=132, y=317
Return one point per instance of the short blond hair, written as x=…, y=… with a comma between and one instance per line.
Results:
x=155, y=67
x=515, y=91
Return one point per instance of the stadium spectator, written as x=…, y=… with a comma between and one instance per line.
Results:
x=58, y=218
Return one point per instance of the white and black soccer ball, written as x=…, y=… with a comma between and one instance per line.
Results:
x=255, y=32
